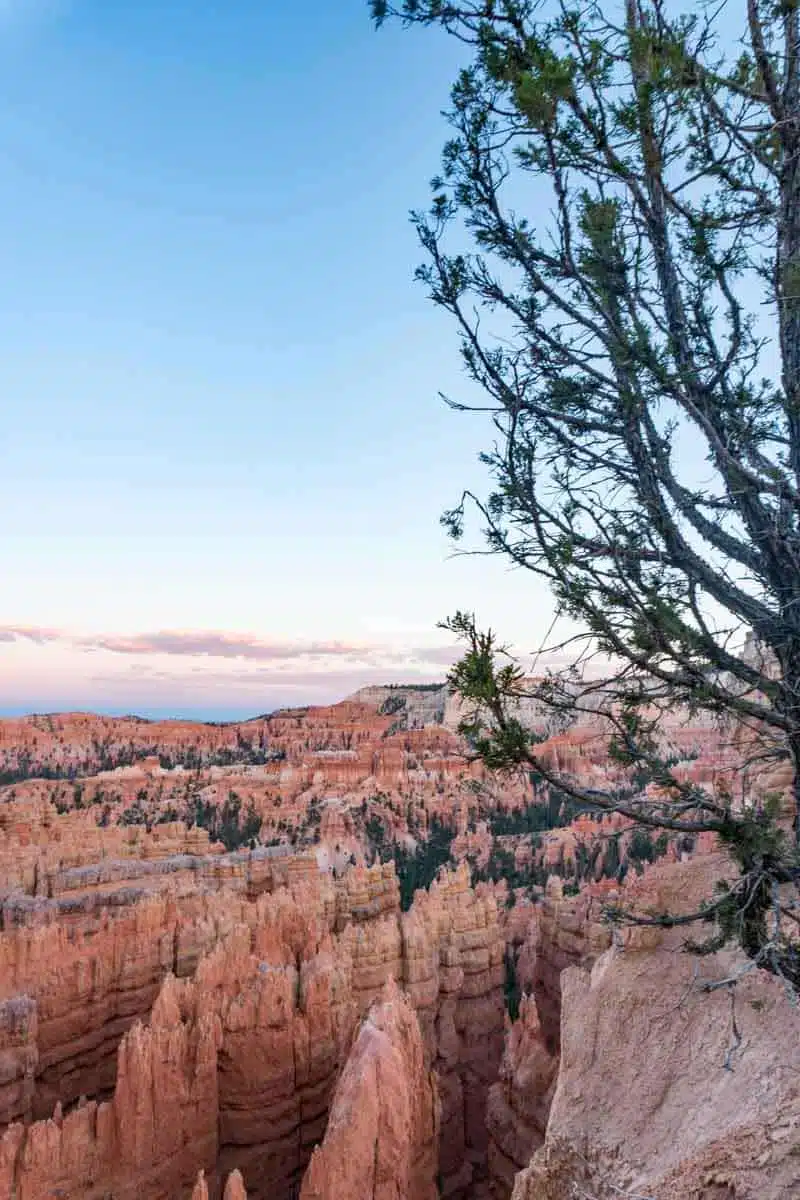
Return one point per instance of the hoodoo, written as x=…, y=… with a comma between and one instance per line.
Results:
x=183, y=1021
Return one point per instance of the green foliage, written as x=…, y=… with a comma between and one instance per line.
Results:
x=533, y=818
x=644, y=848
x=586, y=860
x=501, y=866
x=228, y=823
x=244, y=753
x=611, y=858
x=133, y=816
x=641, y=848
x=646, y=300
x=374, y=829
x=418, y=868
x=512, y=991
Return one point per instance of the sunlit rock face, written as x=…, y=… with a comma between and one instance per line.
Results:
x=382, y=1137
x=240, y=1015
x=663, y=1089
x=178, y=1021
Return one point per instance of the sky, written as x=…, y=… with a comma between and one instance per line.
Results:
x=222, y=453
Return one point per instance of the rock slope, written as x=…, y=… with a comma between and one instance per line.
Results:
x=665, y=1088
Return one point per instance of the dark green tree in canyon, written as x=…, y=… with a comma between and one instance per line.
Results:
x=615, y=232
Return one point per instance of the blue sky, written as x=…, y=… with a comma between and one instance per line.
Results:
x=219, y=412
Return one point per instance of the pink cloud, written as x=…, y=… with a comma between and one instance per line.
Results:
x=348, y=678
x=29, y=633
x=443, y=656
x=226, y=645
x=221, y=645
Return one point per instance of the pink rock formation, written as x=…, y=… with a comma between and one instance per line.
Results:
x=200, y=1189
x=85, y=977
x=19, y=1057
x=519, y=1103
x=566, y=931
x=294, y=768
x=453, y=951
x=238, y=1062
x=39, y=847
x=234, y=1187
x=664, y=1089
x=147, y=1141
x=382, y=1138
x=174, y=1018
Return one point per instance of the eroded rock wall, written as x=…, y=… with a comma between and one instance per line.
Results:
x=519, y=1102
x=236, y=1065
x=382, y=1138
x=84, y=972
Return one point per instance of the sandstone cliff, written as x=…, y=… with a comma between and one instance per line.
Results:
x=664, y=1088
x=237, y=1062
x=382, y=1138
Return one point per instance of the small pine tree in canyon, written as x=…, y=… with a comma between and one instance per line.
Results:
x=615, y=232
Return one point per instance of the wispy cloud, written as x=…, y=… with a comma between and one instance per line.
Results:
x=30, y=633
x=443, y=656
x=244, y=647
x=341, y=679
x=222, y=645
x=213, y=669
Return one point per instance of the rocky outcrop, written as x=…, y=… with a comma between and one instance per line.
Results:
x=200, y=1189
x=666, y=1088
x=85, y=982
x=147, y=1141
x=308, y=775
x=40, y=847
x=382, y=1138
x=413, y=706
x=85, y=743
x=19, y=1057
x=74, y=976
x=285, y=1036
x=362, y=895
x=447, y=954
x=234, y=1187
x=235, y=1064
x=559, y=932
x=566, y=930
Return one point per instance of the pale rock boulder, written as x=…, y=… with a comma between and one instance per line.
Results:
x=666, y=1090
